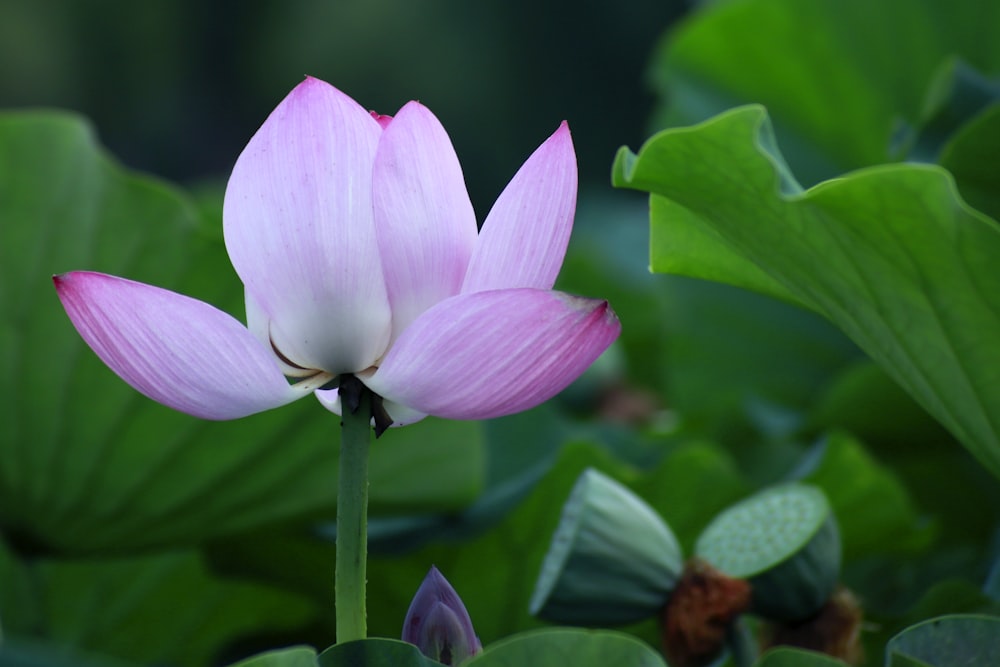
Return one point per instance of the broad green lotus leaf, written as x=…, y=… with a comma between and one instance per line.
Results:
x=858, y=398
x=295, y=656
x=891, y=255
x=565, y=646
x=796, y=657
x=875, y=510
x=36, y=654
x=960, y=593
x=962, y=639
x=699, y=470
x=374, y=652
x=688, y=338
x=890, y=472
x=714, y=381
x=159, y=609
x=837, y=75
x=971, y=156
x=956, y=94
x=88, y=464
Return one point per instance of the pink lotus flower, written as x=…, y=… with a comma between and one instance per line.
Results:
x=357, y=245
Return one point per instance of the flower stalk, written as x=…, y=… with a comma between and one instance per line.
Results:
x=350, y=576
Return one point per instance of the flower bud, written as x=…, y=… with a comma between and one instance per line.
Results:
x=438, y=624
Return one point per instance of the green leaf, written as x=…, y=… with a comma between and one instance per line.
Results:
x=796, y=657
x=967, y=640
x=906, y=661
x=295, y=656
x=858, y=398
x=956, y=94
x=902, y=441
x=32, y=654
x=875, y=512
x=692, y=236
x=162, y=609
x=891, y=255
x=950, y=596
x=375, y=653
x=714, y=381
x=693, y=470
x=835, y=74
x=91, y=466
x=971, y=156
x=564, y=646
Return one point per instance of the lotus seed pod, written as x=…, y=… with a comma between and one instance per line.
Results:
x=785, y=541
x=612, y=560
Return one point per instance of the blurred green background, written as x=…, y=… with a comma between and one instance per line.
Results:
x=137, y=532
x=177, y=87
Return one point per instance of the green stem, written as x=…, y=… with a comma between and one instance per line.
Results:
x=352, y=510
x=742, y=643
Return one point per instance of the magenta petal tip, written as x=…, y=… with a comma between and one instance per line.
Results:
x=382, y=119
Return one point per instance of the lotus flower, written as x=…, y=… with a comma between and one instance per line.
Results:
x=438, y=624
x=358, y=249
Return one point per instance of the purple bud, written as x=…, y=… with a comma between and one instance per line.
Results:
x=438, y=624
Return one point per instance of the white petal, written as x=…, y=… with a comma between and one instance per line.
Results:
x=300, y=231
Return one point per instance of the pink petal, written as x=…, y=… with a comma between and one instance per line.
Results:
x=174, y=349
x=524, y=238
x=425, y=222
x=300, y=231
x=487, y=354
